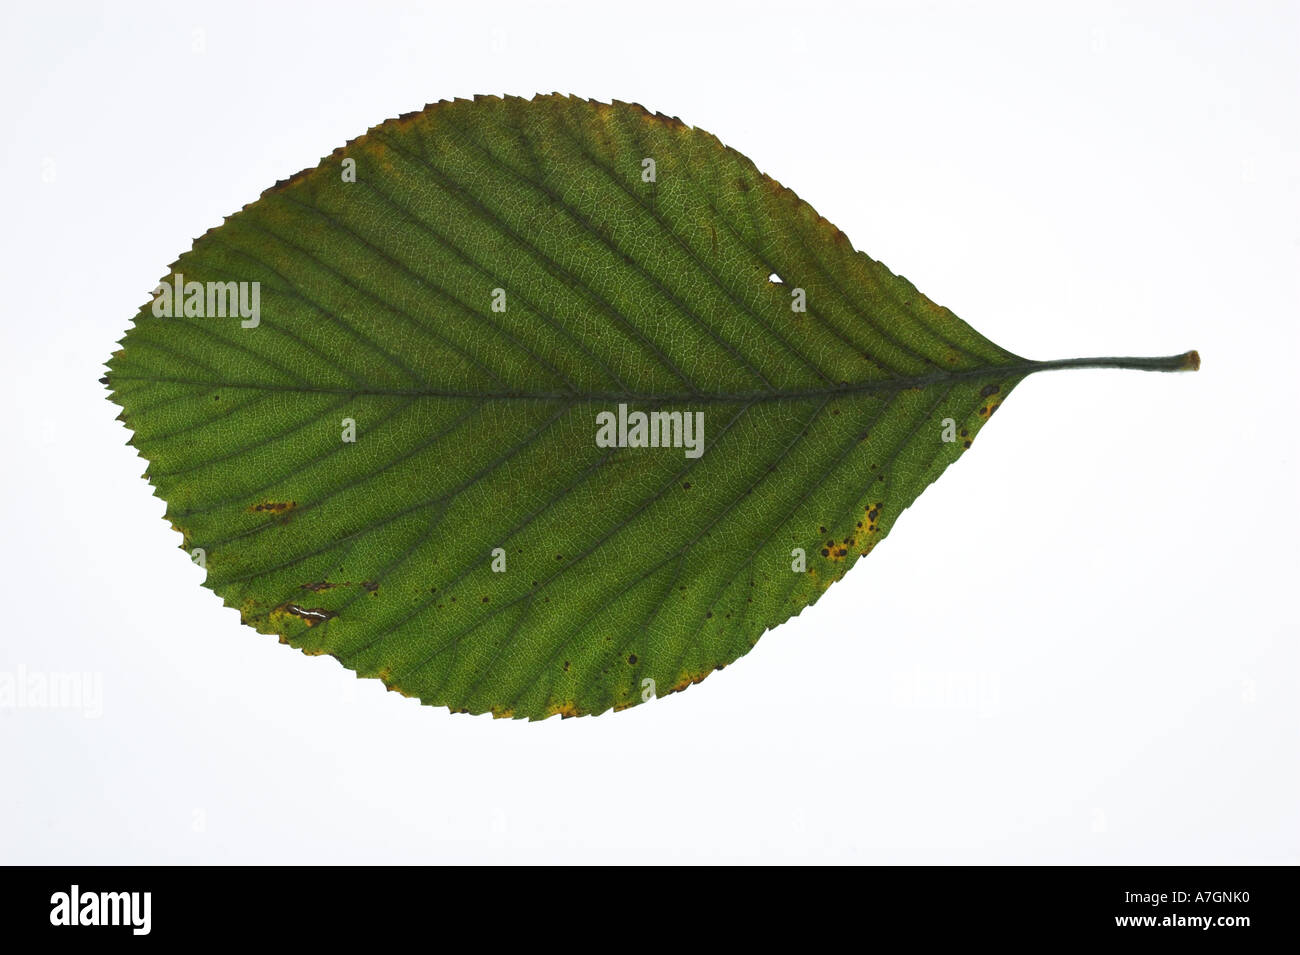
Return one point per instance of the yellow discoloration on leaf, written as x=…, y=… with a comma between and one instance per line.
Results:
x=185, y=537
x=305, y=651
x=308, y=615
x=249, y=609
x=688, y=680
x=837, y=550
x=566, y=709
x=871, y=518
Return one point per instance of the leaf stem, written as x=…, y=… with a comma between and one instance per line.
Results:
x=1188, y=361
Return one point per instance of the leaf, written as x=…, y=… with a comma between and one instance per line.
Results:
x=463, y=291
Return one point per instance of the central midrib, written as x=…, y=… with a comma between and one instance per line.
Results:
x=879, y=386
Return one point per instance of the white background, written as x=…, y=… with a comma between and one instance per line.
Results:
x=1079, y=646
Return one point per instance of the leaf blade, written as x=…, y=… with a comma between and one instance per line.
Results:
x=476, y=427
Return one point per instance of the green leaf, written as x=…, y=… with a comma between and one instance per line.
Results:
x=475, y=545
